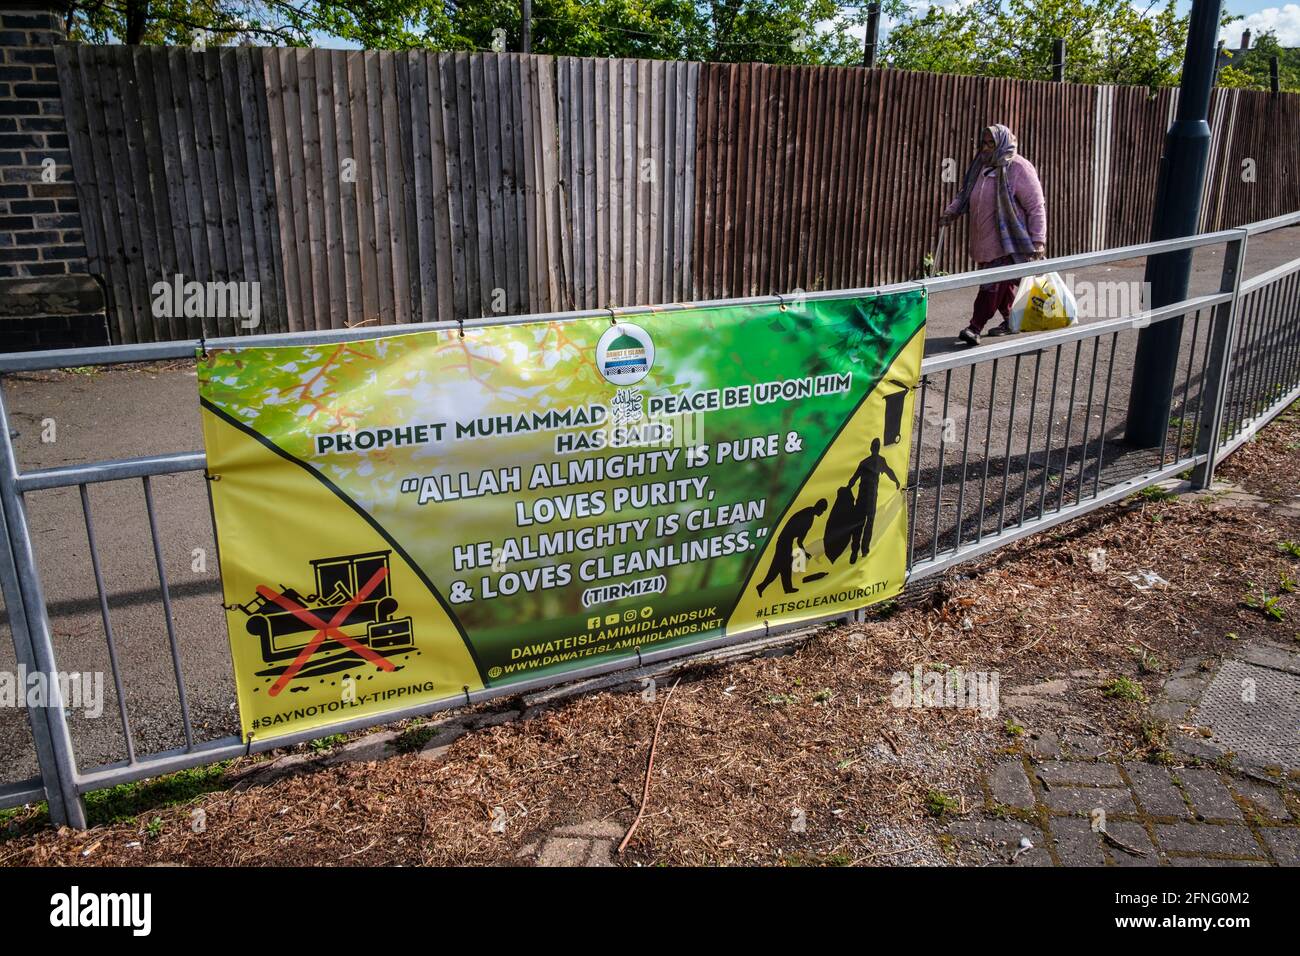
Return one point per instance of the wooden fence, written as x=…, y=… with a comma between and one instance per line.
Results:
x=412, y=186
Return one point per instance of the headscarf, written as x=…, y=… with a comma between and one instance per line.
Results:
x=1011, y=226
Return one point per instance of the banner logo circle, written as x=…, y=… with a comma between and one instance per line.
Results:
x=625, y=354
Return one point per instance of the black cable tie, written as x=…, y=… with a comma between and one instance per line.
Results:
x=767, y=628
x=638, y=657
x=465, y=688
x=613, y=319
x=780, y=300
x=461, y=325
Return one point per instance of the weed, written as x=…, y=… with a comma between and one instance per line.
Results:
x=1155, y=493
x=1268, y=605
x=1125, y=688
x=1208, y=498
x=1155, y=734
x=1148, y=663
x=1223, y=762
x=128, y=800
x=947, y=846
x=324, y=744
x=939, y=804
x=15, y=821
x=413, y=739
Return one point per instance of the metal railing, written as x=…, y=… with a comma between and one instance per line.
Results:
x=1043, y=450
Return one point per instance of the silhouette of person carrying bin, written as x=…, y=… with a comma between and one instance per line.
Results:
x=795, y=530
x=867, y=477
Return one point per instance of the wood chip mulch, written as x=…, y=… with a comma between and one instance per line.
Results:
x=798, y=759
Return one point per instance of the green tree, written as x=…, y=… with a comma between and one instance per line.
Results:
x=771, y=31
x=181, y=22
x=1107, y=41
x=1250, y=70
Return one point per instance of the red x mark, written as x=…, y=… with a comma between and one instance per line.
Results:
x=322, y=629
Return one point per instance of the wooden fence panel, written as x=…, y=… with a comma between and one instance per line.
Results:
x=625, y=138
x=415, y=186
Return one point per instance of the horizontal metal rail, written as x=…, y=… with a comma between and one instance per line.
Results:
x=1268, y=225
x=21, y=793
x=1117, y=492
x=1246, y=434
x=964, y=280
x=1269, y=277
x=1039, y=341
x=68, y=476
x=164, y=761
x=188, y=348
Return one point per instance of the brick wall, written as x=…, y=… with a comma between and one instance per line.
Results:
x=39, y=217
x=45, y=288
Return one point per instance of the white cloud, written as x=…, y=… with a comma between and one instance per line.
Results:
x=1284, y=21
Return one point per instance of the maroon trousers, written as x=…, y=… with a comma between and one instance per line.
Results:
x=994, y=297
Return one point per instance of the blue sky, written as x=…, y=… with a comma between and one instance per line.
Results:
x=1284, y=19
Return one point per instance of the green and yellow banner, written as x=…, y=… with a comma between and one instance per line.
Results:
x=409, y=518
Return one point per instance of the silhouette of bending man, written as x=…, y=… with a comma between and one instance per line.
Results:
x=795, y=530
x=864, y=507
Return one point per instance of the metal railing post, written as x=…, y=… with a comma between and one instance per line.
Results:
x=1214, y=388
x=30, y=628
x=26, y=660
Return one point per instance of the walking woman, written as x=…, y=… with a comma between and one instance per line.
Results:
x=1008, y=222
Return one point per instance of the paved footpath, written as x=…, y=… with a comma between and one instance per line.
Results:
x=1231, y=797
x=1228, y=796
x=1069, y=809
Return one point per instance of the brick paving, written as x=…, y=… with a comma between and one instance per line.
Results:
x=590, y=843
x=1067, y=800
x=1078, y=811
